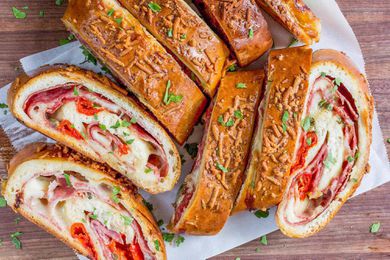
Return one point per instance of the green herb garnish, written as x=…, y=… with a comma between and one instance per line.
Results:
x=3, y=105
x=262, y=214
x=133, y=120
x=323, y=74
x=306, y=123
x=238, y=114
x=221, y=167
x=114, y=194
x=117, y=125
x=264, y=240
x=179, y=239
x=170, y=33
x=157, y=245
x=284, y=120
x=118, y=20
x=130, y=141
x=374, y=228
x=168, y=237
x=59, y=2
x=148, y=205
x=103, y=127
x=169, y=97
x=15, y=239
x=250, y=33
x=232, y=67
x=293, y=41
x=148, y=170
x=160, y=222
x=3, y=202
x=240, y=85
x=127, y=220
x=67, y=179
x=88, y=57
x=18, y=14
x=110, y=12
x=154, y=7
x=41, y=13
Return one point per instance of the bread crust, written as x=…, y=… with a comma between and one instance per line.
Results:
x=272, y=146
x=296, y=17
x=222, y=156
x=59, y=153
x=365, y=104
x=74, y=73
x=241, y=24
x=187, y=36
x=138, y=61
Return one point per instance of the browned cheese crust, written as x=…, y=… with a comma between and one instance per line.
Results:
x=296, y=17
x=224, y=156
x=275, y=138
x=241, y=24
x=138, y=61
x=57, y=152
x=185, y=34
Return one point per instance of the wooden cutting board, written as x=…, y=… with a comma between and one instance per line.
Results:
x=346, y=237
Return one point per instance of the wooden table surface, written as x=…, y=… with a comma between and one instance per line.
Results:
x=346, y=237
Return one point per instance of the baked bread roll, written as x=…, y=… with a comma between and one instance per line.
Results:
x=88, y=113
x=186, y=35
x=333, y=146
x=296, y=17
x=276, y=134
x=241, y=24
x=83, y=203
x=206, y=198
x=138, y=61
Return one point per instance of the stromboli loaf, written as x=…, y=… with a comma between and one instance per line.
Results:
x=85, y=112
x=185, y=34
x=138, y=61
x=207, y=195
x=296, y=17
x=333, y=151
x=83, y=203
x=275, y=136
x=241, y=24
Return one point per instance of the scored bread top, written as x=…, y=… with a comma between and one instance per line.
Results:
x=217, y=174
x=186, y=35
x=241, y=24
x=138, y=61
x=276, y=135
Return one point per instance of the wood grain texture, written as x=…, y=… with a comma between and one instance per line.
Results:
x=346, y=237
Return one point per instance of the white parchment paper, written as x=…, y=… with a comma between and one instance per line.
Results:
x=243, y=227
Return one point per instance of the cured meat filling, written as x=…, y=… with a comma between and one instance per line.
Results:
x=90, y=211
x=106, y=128
x=327, y=151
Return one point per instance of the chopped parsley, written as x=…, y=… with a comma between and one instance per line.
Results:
x=388, y=140
x=168, y=237
x=18, y=14
x=170, y=33
x=148, y=170
x=374, y=228
x=306, y=123
x=15, y=239
x=250, y=33
x=67, y=179
x=284, y=120
x=1, y=242
x=117, y=125
x=308, y=141
x=221, y=167
x=114, y=194
x=160, y=222
x=323, y=74
x=125, y=123
x=133, y=120
x=157, y=245
x=238, y=258
x=337, y=81
x=240, y=85
x=329, y=160
x=183, y=36
x=95, y=116
x=192, y=149
x=88, y=57
x=232, y=67
x=169, y=97
x=41, y=13
x=3, y=105
x=148, y=205
x=262, y=214
x=3, y=202
x=179, y=239
x=17, y=220
x=154, y=7
x=59, y=2
x=130, y=141
x=110, y=12
x=118, y=20
x=354, y=180
x=238, y=114
x=293, y=42
x=93, y=216
x=350, y=159
x=229, y=123
x=103, y=127
x=70, y=38
x=127, y=220
x=264, y=240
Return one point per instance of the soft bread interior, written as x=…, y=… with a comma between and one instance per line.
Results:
x=328, y=129
x=52, y=78
x=33, y=191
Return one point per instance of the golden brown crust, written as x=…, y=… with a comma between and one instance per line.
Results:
x=241, y=24
x=366, y=104
x=57, y=152
x=275, y=139
x=138, y=60
x=296, y=17
x=184, y=33
x=224, y=156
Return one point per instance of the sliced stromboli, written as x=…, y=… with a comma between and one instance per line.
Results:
x=83, y=203
x=85, y=111
x=138, y=61
x=206, y=198
x=274, y=140
x=241, y=24
x=333, y=147
x=296, y=17
x=186, y=35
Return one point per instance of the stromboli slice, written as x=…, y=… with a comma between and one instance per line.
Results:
x=83, y=203
x=241, y=24
x=85, y=111
x=296, y=17
x=333, y=147
x=138, y=61
x=274, y=140
x=207, y=195
x=186, y=35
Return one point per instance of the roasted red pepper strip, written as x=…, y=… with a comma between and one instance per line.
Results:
x=86, y=107
x=123, y=149
x=124, y=252
x=303, y=150
x=304, y=183
x=66, y=127
x=78, y=231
